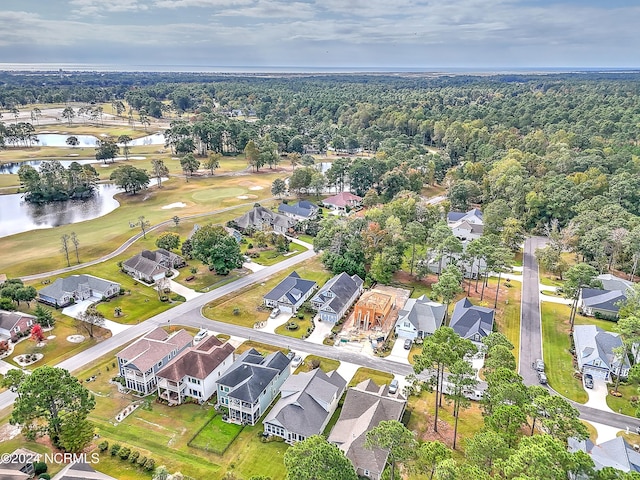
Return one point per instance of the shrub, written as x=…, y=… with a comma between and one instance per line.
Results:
x=149, y=465
x=104, y=445
x=292, y=326
x=122, y=291
x=236, y=311
x=124, y=453
x=142, y=460
x=44, y=476
x=39, y=467
x=115, y=448
x=134, y=456
x=301, y=316
x=249, y=246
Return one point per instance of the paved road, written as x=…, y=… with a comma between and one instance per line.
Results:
x=531, y=338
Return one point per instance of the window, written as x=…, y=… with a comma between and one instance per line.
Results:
x=17, y=329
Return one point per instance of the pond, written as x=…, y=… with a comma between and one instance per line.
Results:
x=17, y=216
x=60, y=140
x=13, y=167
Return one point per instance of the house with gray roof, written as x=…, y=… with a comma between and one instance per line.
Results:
x=307, y=402
x=595, y=352
x=81, y=471
x=261, y=218
x=151, y=266
x=419, y=318
x=251, y=384
x=473, y=216
x=605, y=302
x=194, y=371
x=302, y=210
x=290, y=293
x=365, y=406
x=615, y=453
x=18, y=465
x=75, y=288
x=12, y=323
x=471, y=321
x=140, y=362
x=466, y=226
x=336, y=296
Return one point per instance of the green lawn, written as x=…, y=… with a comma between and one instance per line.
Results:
x=263, y=348
x=216, y=436
x=326, y=364
x=247, y=303
x=558, y=359
x=363, y=373
x=623, y=404
x=206, y=280
x=303, y=325
x=270, y=256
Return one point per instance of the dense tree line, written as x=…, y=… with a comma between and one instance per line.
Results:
x=53, y=182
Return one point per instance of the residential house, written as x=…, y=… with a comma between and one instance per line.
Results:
x=81, y=471
x=261, y=218
x=139, y=362
x=365, y=406
x=343, y=201
x=18, y=465
x=336, y=297
x=75, y=288
x=194, y=371
x=302, y=210
x=466, y=226
x=419, y=318
x=596, y=352
x=372, y=309
x=290, y=293
x=151, y=266
x=605, y=303
x=12, y=323
x=471, y=321
x=307, y=402
x=615, y=453
x=251, y=384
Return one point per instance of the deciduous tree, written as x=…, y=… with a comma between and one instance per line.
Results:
x=213, y=246
x=168, y=241
x=317, y=459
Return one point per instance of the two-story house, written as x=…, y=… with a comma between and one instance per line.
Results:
x=597, y=352
x=139, y=362
x=251, y=384
x=466, y=226
x=290, y=293
x=336, y=297
x=302, y=210
x=261, y=218
x=193, y=373
x=307, y=402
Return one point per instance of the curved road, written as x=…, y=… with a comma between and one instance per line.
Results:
x=531, y=338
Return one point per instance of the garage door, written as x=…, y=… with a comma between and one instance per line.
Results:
x=286, y=308
x=596, y=372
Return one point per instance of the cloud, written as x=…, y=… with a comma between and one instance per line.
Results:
x=99, y=7
x=173, y=4
x=269, y=9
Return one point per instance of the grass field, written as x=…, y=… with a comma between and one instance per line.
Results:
x=558, y=360
x=248, y=301
x=326, y=364
x=363, y=373
x=216, y=436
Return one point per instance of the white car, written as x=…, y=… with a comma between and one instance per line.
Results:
x=297, y=360
x=393, y=386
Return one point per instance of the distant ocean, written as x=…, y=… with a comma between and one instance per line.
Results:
x=103, y=67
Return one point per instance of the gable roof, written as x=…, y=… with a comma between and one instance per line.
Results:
x=72, y=283
x=260, y=215
x=615, y=453
x=365, y=406
x=145, y=352
x=593, y=343
x=300, y=209
x=468, y=319
x=424, y=314
x=81, y=471
x=342, y=286
x=197, y=361
x=602, y=299
x=458, y=216
x=292, y=287
x=611, y=282
x=8, y=320
x=463, y=224
x=306, y=397
x=251, y=373
x=152, y=262
x=342, y=199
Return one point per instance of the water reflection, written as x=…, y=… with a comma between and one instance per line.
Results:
x=13, y=167
x=60, y=140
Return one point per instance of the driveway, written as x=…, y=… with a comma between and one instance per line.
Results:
x=598, y=395
x=186, y=292
x=398, y=353
x=347, y=370
x=321, y=331
x=273, y=323
x=76, y=309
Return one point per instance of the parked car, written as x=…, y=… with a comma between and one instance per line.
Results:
x=393, y=386
x=200, y=335
x=297, y=360
x=407, y=344
x=274, y=313
x=542, y=378
x=588, y=380
x=538, y=365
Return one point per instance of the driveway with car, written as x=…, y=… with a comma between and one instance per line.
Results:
x=598, y=395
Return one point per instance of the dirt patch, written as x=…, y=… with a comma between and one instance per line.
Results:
x=8, y=432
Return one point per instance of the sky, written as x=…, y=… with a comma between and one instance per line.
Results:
x=403, y=34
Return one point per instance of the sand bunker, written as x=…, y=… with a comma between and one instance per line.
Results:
x=137, y=158
x=174, y=205
x=243, y=197
x=73, y=155
x=256, y=188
